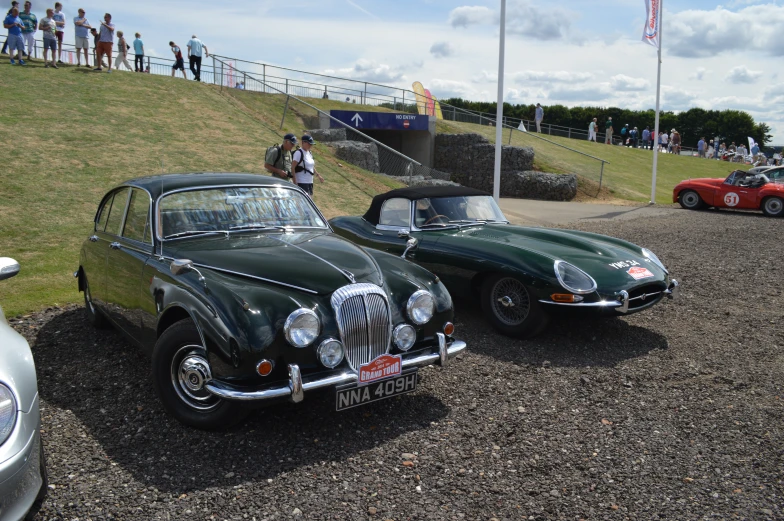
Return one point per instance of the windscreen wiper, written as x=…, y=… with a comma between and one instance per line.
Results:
x=192, y=233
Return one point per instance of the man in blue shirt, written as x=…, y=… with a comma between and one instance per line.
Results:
x=14, y=25
x=195, y=47
x=646, y=138
x=138, y=50
x=81, y=36
x=701, y=147
x=5, y=43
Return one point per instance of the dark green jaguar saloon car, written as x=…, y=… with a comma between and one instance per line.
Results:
x=242, y=294
x=520, y=274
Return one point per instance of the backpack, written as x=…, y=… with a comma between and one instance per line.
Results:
x=300, y=164
x=623, y=131
x=277, y=156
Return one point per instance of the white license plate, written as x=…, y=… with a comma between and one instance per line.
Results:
x=373, y=392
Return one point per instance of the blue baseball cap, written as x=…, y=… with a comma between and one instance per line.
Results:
x=290, y=137
x=308, y=139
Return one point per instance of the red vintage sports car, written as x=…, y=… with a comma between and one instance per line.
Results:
x=741, y=190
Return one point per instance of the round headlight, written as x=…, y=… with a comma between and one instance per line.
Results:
x=330, y=352
x=573, y=278
x=302, y=327
x=420, y=307
x=648, y=254
x=404, y=336
x=7, y=413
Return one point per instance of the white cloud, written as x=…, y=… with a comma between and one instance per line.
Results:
x=591, y=93
x=550, y=76
x=699, y=74
x=677, y=99
x=741, y=74
x=756, y=28
x=442, y=50
x=625, y=83
x=522, y=19
x=367, y=70
x=472, y=15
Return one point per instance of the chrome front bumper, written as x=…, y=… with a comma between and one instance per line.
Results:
x=20, y=473
x=621, y=305
x=297, y=385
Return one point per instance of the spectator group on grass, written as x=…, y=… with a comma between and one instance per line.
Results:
x=22, y=26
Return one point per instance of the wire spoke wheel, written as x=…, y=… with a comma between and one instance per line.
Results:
x=190, y=371
x=509, y=301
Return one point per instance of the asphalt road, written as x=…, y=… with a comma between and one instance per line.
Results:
x=675, y=413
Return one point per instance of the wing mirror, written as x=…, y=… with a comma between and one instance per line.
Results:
x=8, y=268
x=411, y=244
x=183, y=266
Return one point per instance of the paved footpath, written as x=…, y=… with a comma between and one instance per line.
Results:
x=547, y=213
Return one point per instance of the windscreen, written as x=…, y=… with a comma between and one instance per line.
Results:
x=441, y=210
x=226, y=208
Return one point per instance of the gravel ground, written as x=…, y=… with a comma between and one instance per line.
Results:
x=675, y=413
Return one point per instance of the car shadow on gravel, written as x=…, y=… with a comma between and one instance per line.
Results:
x=105, y=382
x=567, y=341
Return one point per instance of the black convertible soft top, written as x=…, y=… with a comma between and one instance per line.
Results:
x=423, y=192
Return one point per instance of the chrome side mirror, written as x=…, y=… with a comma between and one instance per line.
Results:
x=183, y=266
x=410, y=245
x=180, y=266
x=8, y=268
x=402, y=233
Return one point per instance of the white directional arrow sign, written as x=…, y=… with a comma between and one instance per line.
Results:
x=356, y=119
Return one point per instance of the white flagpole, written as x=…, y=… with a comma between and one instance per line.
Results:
x=499, y=113
x=658, y=94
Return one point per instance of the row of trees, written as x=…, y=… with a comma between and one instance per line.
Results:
x=728, y=125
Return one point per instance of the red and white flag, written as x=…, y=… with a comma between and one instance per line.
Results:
x=651, y=32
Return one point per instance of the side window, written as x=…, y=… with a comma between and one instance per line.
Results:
x=396, y=212
x=104, y=214
x=138, y=212
x=114, y=222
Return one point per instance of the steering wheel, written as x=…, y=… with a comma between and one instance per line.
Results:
x=436, y=217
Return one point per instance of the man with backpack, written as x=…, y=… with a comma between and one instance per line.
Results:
x=277, y=161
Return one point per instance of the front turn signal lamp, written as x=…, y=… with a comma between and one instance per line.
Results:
x=566, y=298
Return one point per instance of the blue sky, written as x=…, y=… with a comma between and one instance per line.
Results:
x=574, y=52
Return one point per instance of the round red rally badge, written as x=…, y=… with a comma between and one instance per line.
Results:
x=731, y=199
x=406, y=124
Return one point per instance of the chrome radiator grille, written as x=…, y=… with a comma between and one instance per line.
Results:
x=364, y=322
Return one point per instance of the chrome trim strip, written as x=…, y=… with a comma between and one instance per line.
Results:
x=290, y=186
x=601, y=304
x=222, y=391
x=230, y=272
x=347, y=274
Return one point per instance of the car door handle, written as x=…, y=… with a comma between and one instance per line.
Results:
x=115, y=245
x=93, y=238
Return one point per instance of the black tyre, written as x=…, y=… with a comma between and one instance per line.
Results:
x=180, y=369
x=690, y=200
x=511, y=309
x=94, y=315
x=773, y=207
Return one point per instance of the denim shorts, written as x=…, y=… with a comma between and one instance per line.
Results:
x=50, y=43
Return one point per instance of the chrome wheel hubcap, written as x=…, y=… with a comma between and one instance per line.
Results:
x=190, y=372
x=510, y=301
x=773, y=206
x=691, y=199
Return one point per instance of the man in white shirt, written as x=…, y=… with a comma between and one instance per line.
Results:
x=195, y=47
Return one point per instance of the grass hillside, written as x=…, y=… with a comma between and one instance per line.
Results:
x=627, y=176
x=72, y=134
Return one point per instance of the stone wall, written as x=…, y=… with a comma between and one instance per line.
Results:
x=470, y=159
x=326, y=135
x=363, y=155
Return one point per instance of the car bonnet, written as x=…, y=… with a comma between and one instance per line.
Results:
x=317, y=261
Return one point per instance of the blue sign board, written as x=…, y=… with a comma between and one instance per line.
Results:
x=378, y=120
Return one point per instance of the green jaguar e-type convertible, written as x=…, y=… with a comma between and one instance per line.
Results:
x=520, y=274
